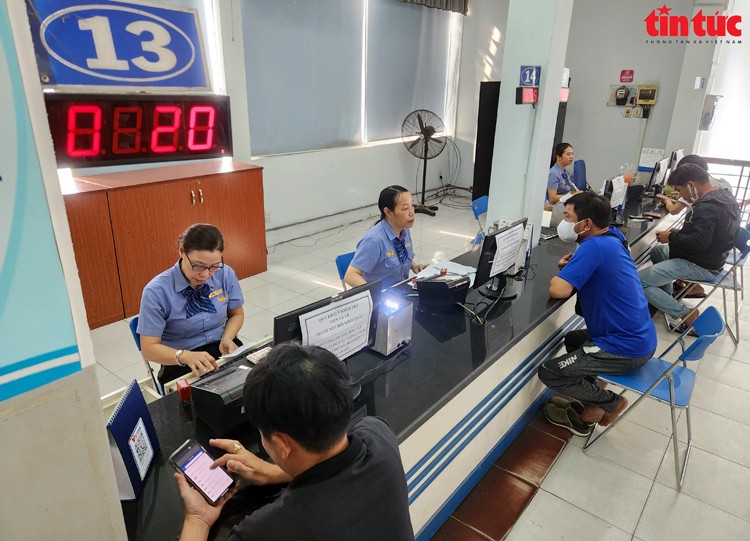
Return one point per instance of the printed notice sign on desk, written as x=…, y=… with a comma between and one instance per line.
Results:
x=342, y=327
x=508, y=243
x=649, y=157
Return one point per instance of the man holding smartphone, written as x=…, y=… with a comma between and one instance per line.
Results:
x=342, y=485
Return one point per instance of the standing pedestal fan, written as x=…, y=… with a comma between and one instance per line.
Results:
x=423, y=125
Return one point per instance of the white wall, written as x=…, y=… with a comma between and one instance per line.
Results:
x=327, y=188
x=606, y=37
x=481, y=60
x=727, y=138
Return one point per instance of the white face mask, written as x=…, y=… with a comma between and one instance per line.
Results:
x=566, y=231
x=693, y=195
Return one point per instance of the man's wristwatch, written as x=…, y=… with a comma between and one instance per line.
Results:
x=177, y=357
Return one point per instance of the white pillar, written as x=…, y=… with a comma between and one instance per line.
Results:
x=535, y=36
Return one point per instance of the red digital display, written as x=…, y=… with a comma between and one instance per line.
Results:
x=103, y=129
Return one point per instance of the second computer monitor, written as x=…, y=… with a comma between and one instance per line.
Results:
x=660, y=173
x=286, y=327
x=489, y=252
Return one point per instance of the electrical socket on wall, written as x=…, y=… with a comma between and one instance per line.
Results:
x=637, y=112
x=627, y=112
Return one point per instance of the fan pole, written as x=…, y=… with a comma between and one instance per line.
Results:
x=422, y=208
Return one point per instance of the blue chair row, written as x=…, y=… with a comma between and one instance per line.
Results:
x=669, y=382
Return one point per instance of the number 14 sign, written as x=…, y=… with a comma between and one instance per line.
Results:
x=127, y=44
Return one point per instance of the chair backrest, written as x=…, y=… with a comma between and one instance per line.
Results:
x=743, y=242
x=134, y=329
x=709, y=327
x=137, y=337
x=479, y=206
x=579, y=174
x=342, y=263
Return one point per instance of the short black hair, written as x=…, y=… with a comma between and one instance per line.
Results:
x=592, y=206
x=688, y=173
x=302, y=391
x=201, y=237
x=694, y=158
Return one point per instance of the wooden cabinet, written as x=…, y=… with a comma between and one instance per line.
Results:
x=88, y=218
x=148, y=209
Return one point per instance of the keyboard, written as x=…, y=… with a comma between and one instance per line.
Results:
x=256, y=356
x=254, y=351
x=548, y=232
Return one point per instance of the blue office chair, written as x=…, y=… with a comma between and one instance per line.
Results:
x=730, y=278
x=479, y=207
x=669, y=382
x=137, y=337
x=579, y=174
x=342, y=263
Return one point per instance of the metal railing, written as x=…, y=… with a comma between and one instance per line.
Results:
x=737, y=174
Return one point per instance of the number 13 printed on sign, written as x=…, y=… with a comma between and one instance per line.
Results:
x=107, y=44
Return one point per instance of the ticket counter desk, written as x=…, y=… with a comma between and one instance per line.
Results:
x=456, y=397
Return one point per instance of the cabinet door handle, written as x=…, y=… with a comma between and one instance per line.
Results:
x=200, y=192
x=192, y=196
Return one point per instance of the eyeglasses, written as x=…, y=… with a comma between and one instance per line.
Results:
x=201, y=268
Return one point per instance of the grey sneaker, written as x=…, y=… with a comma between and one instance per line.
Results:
x=567, y=418
x=563, y=403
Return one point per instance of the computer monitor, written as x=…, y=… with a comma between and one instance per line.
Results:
x=286, y=327
x=659, y=175
x=498, y=257
x=675, y=158
x=615, y=190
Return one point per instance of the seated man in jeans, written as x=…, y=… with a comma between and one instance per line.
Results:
x=620, y=335
x=698, y=250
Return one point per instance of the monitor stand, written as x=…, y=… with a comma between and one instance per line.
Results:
x=500, y=288
x=356, y=389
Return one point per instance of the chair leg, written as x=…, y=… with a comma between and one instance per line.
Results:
x=591, y=440
x=679, y=469
x=674, y=432
x=689, y=447
x=734, y=334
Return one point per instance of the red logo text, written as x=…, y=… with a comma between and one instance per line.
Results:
x=665, y=25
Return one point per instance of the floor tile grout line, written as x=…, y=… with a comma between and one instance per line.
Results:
x=696, y=498
x=583, y=510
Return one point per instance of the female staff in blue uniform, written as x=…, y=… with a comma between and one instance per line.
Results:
x=558, y=181
x=192, y=312
x=386, y=252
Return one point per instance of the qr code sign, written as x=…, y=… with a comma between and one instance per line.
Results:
x=141, y=448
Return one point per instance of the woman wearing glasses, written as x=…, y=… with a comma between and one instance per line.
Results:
x=192, y=312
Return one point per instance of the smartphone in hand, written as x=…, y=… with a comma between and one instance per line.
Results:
x=194, y=462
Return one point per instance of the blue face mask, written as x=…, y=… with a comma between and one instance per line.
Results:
x=566, y=231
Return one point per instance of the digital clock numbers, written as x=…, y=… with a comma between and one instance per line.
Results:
x=104, y=129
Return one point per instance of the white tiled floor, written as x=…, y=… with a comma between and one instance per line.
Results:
x=623, y=488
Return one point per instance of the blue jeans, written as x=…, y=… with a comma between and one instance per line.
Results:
x=657, y=280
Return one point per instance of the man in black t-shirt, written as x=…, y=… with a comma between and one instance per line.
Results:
x=341, y=485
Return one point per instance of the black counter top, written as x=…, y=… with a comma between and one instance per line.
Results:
x=449, y=349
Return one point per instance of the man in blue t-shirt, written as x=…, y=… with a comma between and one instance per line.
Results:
x=620, y=335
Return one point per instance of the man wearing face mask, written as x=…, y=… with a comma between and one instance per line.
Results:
x=698, y=250
x=620, y=336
